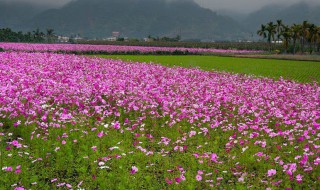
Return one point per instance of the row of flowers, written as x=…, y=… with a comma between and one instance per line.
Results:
x=108, y=119
x=84, y=48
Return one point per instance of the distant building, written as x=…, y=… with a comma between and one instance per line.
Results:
x=78, y=38
x=112, y=39
x=63, y=39
x=277, y=42
x=148, y=39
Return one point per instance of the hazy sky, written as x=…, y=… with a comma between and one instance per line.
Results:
x=241, y=5
x=235, y=5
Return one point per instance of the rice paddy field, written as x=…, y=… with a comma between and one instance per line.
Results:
x=83, y=122
x=300, y=71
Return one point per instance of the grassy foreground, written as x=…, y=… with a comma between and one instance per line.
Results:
x=301, y=71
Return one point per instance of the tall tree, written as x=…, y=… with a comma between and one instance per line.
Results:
x=304, y=34
x=50, y=35
x=279, y=29
x=271, y=30
x=296, y=33
x=38, y=35
x=318, y=39
x=262, y=31
x=287, y=36
x=312, y=35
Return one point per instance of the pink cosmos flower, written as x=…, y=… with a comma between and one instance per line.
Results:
x=219, y=178
x=260, y=154
x=241, y=179
x=116, y=125
x=168, y=181
x=299, y=178
x=9, y=169
x=18, y=169
x=17, y=123
x=100, y=134
x=192, y=133
x=134, y=170
x=304, y=160
x=272, y=172
x=214, y=157
x=68, y=185
x=60, y=184
x=19, y=188
x=16, y=144
x=80, y=183
x=135, y=108
x=198, y=177
x=53, y=180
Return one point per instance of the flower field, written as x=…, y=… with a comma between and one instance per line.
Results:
x=76, y=122
x=114, y=49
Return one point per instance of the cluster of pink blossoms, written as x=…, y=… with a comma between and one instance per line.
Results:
x=269, y=122
x=83, y=48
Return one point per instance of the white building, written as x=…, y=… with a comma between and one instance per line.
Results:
x=63, y=39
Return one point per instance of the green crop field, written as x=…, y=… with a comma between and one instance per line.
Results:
x=301, y=71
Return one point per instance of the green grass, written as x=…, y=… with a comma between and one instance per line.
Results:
x=300, y=71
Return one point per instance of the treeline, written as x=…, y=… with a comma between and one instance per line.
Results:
x=216, y=45
x=37, y=36
x=301, y=38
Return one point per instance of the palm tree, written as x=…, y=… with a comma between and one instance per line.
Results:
x=271, y=30
x=312, y=35
x=296, y=31
x=262, y=31
x=304, y=33
x=318, y=39
x=50, y=34
x=287, y=35
x=279, y=28
x=38, y=35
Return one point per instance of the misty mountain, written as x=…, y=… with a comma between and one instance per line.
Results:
x=140, y=18
x=137, y=18
x=12, y=14
x=296, y=13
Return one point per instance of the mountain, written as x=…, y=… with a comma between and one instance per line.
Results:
x=138, y=18
x=296, y=13
x=13, y=14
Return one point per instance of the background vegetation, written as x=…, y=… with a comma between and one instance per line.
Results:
x=304, y=37
x=8, y=35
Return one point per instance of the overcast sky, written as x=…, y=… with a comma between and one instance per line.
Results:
x=241, y=5
x=235, y=5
